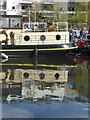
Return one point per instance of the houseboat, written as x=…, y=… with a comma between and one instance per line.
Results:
x=18, y=39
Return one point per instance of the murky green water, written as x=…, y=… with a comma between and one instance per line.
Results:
x=45, y=88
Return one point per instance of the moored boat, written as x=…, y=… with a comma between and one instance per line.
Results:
x=18, y=42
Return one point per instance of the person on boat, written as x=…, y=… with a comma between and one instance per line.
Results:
x=86, y=33
x=35, y=26
x=81, y=33
x=76, y=35
x=12, y=38
x=71, y=35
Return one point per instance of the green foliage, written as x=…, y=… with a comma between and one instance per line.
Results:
x=80, y=80
x=48, y=7
x=81, y=13
x=89, y=12
x=53, y=27
x=57, y=13
x=64, y=17
x=57, y=16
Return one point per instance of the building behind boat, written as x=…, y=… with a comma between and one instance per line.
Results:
x=48, y=7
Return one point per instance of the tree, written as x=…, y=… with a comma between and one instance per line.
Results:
x=57, y=12
x=80, y=14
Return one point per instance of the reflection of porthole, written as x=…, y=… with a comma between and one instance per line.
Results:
x=42, y=37
x=26, y=75
x=26, y=38
x=57, y=76
x=58, y=37
x=42, y=75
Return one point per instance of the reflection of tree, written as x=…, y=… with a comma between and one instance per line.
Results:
x=80, y=80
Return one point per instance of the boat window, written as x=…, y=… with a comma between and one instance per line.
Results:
x=57, y=76
x=4, y=22
x=23, y=7
x=26, y=38
x=13, y=95
x=42, y=37
x=58, y=37
x=42, y=75
x=13, y=7
x=11, y=21
x=26, y=75
x=15, y=22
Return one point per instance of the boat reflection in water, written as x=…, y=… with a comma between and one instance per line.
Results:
x=41, y=84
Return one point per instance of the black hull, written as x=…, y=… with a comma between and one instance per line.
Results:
x=31, y=50
x=28, y=51
x=50, y=62
x=32, y=54
x=82, y=51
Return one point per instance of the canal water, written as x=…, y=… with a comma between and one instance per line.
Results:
x=45, y=87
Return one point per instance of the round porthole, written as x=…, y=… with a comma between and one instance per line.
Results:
x=26, y=38
x=42, y=37
x=42, y=75
x=26, y=75
x=57, y=76
x=58, y=37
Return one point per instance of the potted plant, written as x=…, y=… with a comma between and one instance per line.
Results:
x=52, y=28
x=62, y=28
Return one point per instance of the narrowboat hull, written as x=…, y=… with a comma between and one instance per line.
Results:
x=84, y=50
x=31, y=50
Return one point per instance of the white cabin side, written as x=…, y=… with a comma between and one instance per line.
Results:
x=36, y=38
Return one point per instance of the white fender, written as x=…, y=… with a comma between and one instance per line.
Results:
x=4, y=56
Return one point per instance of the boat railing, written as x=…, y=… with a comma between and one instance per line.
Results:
x=34, y=27
x=45, y=27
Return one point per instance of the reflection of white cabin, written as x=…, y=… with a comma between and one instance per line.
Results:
x=35, y=93
x=31, y=89
x=18, y=75
x=34, y=38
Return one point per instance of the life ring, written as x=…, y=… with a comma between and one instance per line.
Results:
x=6, y=35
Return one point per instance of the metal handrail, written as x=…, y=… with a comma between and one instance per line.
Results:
x=35, y=26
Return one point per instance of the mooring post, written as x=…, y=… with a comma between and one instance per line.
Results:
x=35, y=57
x=36, y=51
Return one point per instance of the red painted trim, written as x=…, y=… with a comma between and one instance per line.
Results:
x=9, y=21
